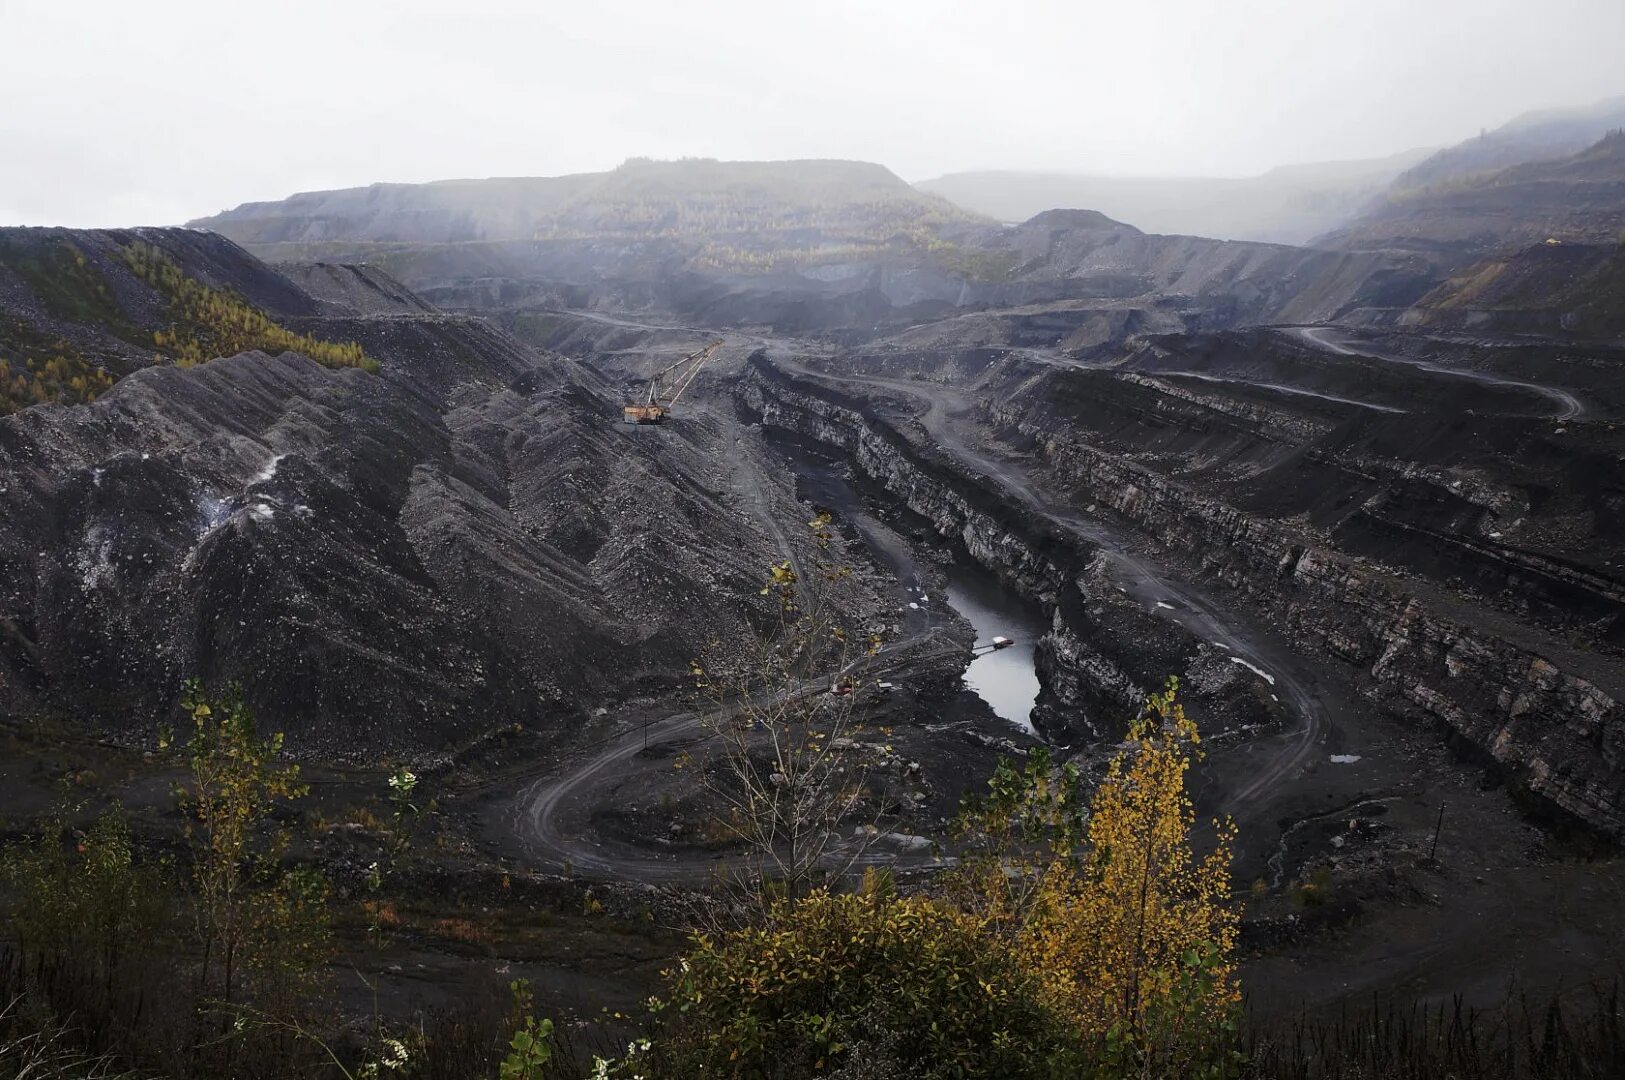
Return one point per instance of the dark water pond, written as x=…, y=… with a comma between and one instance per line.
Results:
x=1005, y=679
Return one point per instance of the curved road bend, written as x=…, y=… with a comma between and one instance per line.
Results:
x=1568, y=406
x=541, y=804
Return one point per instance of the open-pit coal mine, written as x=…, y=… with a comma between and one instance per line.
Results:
x=365, y=461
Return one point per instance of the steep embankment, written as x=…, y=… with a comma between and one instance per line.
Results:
x=464, y=540
x=1104, y=648
x=1563, y=290
x=1464, y=574
x=355, y=290
x=1424, y=525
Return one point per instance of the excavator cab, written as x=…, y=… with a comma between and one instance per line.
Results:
x=655, y=411
x=644, y=414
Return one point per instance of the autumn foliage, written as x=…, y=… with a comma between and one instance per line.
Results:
x=62, y=377
x=209, y=323
x=1132, y=933
x=864, y=974
x=1082, y=935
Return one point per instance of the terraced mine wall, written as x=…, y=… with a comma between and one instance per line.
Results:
x=1519, y=698
x=1081, y=683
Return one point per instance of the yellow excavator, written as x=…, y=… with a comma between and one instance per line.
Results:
x=654, y=410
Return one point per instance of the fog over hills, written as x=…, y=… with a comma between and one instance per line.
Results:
x=1576, y=199
x=1292, y=204
x=1542, y=135
x=1288, y=205
x=652, y=199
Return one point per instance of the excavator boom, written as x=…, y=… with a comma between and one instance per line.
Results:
x=653, y=410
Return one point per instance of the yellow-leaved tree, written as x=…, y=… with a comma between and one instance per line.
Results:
x=255, y=916
x=1081, y=936
x=1130, y=931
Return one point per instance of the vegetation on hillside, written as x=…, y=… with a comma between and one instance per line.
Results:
x=54, y=371
x=1079, y=936
x=209, y=323
x=68, y=286
x=38, y=366
x=163, y=964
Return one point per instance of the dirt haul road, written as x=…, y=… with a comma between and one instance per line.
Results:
x=1328, y=339
x=1262, y=767
x=551, y=813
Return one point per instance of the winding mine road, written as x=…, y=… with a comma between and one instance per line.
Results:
x=1568, y=406
x=1279, y=388
x=543, y=811
x=542, y=807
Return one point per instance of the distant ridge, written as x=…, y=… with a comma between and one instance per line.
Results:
x=1575, y=199
x=1286, y=205
x=1544, y=135
x=650, y=198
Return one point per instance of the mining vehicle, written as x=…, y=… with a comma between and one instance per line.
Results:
x=654, y=410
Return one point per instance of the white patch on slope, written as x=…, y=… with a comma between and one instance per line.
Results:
x=1255, y=669
x=269, y=472
x=212, y=513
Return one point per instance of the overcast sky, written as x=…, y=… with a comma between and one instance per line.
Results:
x=114, y=112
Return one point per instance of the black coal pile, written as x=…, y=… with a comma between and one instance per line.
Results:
x=467, y=540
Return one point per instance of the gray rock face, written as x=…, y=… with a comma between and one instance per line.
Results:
x=800, y=247
x=1554, y=728
x=1287, y=501
x=1103, y=651
x=347, y=289
x=1383, y=552
x=396, y=562
x=380, y=571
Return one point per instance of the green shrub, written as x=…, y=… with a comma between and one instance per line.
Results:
x=827, y=974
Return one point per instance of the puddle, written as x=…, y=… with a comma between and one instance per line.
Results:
x=1005, y=679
